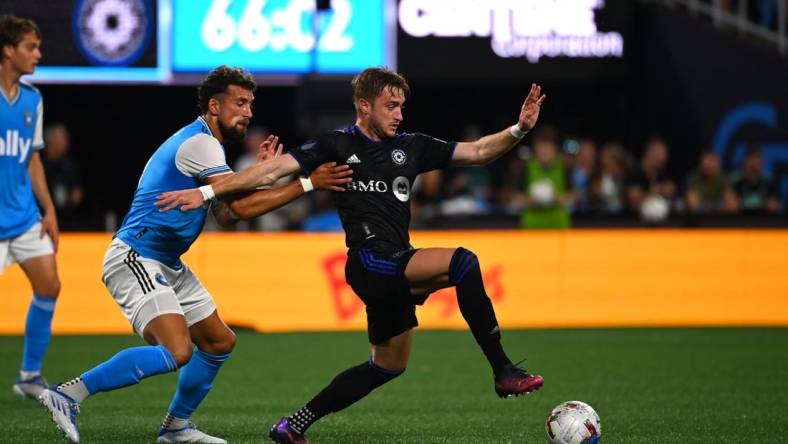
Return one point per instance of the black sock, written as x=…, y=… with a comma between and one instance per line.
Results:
x=476, y=307
x=302, y=419
x=346, y=388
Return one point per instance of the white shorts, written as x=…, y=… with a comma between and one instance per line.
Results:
x=146, y=289
x=26, y=246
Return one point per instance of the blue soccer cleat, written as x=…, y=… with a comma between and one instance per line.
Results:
x=64, y=412
x=282, y=433
x=30, y=388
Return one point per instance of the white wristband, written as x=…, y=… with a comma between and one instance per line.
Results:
x=306, y=184
x=207, y=192
x=516, y=132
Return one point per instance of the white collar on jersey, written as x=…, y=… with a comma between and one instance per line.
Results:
x=208, y=127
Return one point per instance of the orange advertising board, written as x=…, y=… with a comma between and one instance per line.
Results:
x=574, y=278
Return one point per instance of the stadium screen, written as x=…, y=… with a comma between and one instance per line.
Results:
x=96, y=40
x=279, y=36
x=169, y=41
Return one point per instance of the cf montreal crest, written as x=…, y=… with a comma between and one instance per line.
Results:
x=112, y=32
x=399, y=157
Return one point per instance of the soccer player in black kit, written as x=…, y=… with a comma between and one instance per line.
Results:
x=389, y=275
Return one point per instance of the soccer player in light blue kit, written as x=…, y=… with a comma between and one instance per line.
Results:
x=159, y=294
x=27, y=236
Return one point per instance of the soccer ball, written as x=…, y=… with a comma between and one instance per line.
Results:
x=573, y=422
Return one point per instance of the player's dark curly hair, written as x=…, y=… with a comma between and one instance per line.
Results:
x=368, y=84
x=13, y=28
x=217, y=82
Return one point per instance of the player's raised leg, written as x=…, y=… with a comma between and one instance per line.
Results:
x=214, y=342
x=41, y=271
x=433, y=268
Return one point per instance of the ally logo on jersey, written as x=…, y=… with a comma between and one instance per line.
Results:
x=13, y=145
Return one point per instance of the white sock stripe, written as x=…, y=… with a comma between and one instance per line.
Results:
x=46, y=304
x=26, y=375
x=170, y=365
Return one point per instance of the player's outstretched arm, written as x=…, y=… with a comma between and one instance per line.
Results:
x=493, y=146
x=258, y=175
x=329, y=176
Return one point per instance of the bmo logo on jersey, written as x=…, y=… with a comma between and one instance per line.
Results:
x=13, y=145
x=400, y=187
x=375, y=186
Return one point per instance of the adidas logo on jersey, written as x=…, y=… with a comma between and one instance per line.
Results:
x=13, y=145
x=353, y=159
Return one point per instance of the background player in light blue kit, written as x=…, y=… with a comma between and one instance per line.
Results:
x=159, y=294
x=28, y=236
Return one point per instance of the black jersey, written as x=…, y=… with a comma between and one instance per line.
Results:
x=376, y=205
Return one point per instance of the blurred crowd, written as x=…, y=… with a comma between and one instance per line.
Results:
x=545, y=182
x=64, y=178
x=765, y=13
x=551, y=180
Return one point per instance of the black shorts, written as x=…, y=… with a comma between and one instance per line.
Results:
x=377, y=275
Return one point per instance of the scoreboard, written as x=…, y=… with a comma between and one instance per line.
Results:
x=279, y=36
x=178, y=41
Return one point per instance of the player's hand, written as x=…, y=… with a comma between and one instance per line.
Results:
x=49, y=226
x=331, y=176
x=185, y=200
x=269, y=149
x=529, y=113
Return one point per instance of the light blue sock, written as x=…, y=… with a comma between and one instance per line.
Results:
x=38, y=330
x=129, y=367
x=195, y=382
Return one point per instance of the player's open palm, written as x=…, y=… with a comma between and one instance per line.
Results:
x=330, y=176
x=185, y=200
x=269, y=149
x=529, y=113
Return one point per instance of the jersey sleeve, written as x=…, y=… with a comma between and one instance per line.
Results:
x=38, y=134
x=435, y=153
x=201, y=156
x=314, y=153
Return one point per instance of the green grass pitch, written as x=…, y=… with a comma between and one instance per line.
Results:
x=649, y=386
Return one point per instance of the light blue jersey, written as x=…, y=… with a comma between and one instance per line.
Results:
x=183, y=161
x=21, y=123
